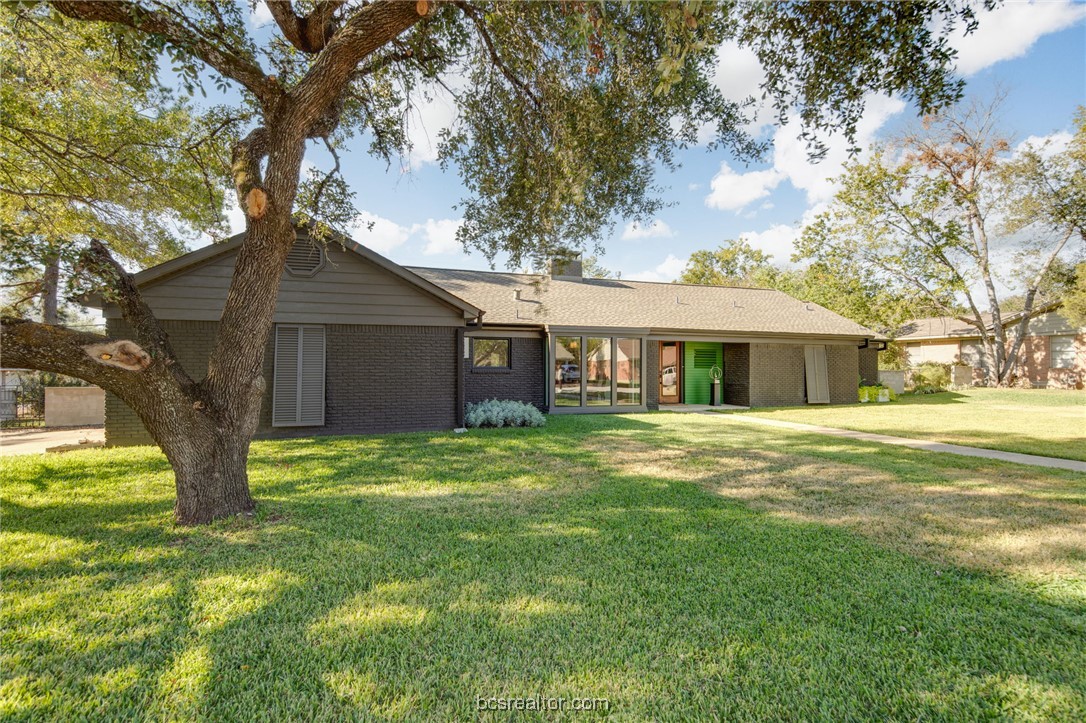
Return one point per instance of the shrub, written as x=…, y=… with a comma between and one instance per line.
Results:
x=871, y=393
x=930, y=377
x=503, y=413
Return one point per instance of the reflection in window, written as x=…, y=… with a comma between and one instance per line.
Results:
x=492, y=353
x=598, y=379
x=628, y=371
x=567, y=371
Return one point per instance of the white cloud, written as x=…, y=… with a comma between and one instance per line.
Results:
x=433, y=110
x=731, y=191
x=777, y=240
x=738, y=75
x=1010, y=31
x=1047, y=146
x=260, y=15
x=383, y=236
x=656, y=229
x=235, y=217
x=668, y=270
x=818, y=180
x=694, y=186
x=441, y=236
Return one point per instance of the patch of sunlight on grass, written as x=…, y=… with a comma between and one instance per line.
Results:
x=524, y=610
x=362, y=691
x=182, y=686
x=1028, y=699
x=392, y=604
x=223, y=599
x=116, y=680
x=39, y=548
x=554, y=529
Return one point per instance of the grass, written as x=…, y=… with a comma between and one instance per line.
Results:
x=680, y=566
x=1048, y=422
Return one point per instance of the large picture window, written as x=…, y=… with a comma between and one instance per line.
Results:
x=598, y=379
x=298, y=377
x=628, y=371
x=490, y=353
x=597, y=371
x=567, y=371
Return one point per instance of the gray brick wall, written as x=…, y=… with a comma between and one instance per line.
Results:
x=843, y=368
x=378, y=379
x=869, y=365
x=737, y=374
x=777, y=375
x=525, y=381
x=650, y=374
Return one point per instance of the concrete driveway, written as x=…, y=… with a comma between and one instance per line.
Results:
x=36, y=441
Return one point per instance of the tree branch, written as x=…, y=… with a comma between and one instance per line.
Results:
x=245, y=169
x=310, y=33
x=366, y=30
x=231, y=63
x=480, y=25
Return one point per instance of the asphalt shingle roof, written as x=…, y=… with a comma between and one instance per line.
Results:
x=638, y=304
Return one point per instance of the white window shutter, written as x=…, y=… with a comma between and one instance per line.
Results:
x=298, y=392
x=818, y=382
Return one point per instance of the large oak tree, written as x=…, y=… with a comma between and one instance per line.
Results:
x=566, y=110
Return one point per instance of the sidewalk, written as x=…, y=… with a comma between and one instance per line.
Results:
x=926, y=445
x=36, y=441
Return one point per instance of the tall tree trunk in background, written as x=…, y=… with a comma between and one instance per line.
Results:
x=50, y=282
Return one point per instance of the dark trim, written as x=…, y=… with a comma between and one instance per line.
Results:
x=459, y=377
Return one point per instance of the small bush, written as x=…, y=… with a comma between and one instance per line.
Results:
x=930, y=377
x=503, y=413
x=871, y=393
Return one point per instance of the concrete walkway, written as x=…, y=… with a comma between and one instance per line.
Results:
x=928, y=446
x=37, y=441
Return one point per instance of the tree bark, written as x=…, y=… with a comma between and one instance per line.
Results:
x=50, y=281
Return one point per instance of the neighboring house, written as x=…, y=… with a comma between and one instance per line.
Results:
x=363, y=345
x=1053, y=354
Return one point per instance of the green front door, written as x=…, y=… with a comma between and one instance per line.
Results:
x=699, y=357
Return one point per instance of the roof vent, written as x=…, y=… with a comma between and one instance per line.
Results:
x=306, y=258
x=516, y=294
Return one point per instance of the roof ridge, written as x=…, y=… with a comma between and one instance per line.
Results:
x=593, y=278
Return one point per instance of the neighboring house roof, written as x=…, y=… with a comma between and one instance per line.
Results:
x=949, y=327
x=576, y=302
x=209, y=253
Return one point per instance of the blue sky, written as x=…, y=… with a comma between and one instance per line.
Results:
x=1034, y=52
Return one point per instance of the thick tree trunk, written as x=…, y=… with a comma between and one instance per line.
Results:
x=209, y=473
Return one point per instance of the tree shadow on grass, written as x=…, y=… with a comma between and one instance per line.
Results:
x=393, y=586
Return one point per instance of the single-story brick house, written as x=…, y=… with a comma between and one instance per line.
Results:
x=1053, y=353
x=364, y=345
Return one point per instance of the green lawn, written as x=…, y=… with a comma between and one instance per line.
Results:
x=1048, y=422
x=680, y=566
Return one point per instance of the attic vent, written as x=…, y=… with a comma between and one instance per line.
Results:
x=305, y=258
x=704, y=358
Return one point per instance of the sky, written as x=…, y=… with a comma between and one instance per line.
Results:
x=1034, y=52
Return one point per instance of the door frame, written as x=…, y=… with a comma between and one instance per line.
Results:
x=678, y=396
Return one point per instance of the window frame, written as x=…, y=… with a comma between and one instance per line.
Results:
x=584, y=408
x=491, y=370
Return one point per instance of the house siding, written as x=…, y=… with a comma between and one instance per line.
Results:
x=379, y=378
x=869, y=365
x=347, y=290
x=737, y=374
x=524, y=381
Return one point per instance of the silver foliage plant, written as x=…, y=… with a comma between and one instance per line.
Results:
x=503, y=413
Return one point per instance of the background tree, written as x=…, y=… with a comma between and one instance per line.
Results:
x=93, y=147
x=733, y=263
x=566, y=110
x=591, y=268
x=930, y=214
